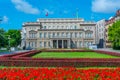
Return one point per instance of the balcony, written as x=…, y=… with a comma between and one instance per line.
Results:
x=31, y=38
x=62, y=37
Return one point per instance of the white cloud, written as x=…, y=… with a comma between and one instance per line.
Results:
x=25, y=7
x=5, y=19
x=105, y=6
x=48, y=11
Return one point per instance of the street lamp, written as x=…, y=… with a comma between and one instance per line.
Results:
x=9, y=40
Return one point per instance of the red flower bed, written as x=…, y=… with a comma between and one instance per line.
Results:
x=59, y=74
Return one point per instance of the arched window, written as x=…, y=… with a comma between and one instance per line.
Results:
x=44, y=27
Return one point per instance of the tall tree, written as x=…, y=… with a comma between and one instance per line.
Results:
x=2, y=38
x=114, y=34
x=14, y=37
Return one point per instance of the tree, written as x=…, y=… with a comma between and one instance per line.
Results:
x=14, y=37
x=114, y=34
x=3, y=41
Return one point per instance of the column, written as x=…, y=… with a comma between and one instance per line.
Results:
x=57, y=43
x=51, y=44
x=67, y=44
x=35, y=44
x=68, y=41
x=83, y=44
x=62, y=44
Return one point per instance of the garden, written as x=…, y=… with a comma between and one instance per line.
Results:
x=60, y=65
x=61, y=73
x=72, y=55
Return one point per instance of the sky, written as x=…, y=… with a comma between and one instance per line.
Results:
x=14, y=13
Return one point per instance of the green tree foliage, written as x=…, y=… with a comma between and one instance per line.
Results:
x=114, y=34
x=14, y=37
x=3, y=40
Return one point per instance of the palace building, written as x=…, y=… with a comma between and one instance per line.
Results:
x=58, y=33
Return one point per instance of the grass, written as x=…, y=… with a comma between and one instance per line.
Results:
x=3, y=50
x=72, y=55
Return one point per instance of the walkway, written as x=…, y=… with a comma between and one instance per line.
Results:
x=11, y=52
x=109, y=49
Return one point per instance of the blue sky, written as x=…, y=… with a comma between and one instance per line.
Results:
x=15, y=12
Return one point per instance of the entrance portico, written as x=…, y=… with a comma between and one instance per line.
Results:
x=60, y=43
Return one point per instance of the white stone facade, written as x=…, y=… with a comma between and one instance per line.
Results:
x=59, y=33
x=100, y=33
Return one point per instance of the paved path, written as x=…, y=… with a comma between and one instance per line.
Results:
x=109, y=49
x=11, y=52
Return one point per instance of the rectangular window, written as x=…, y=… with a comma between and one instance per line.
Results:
x=29, y=35
x=44, y=44
x=49, y=44
x=45, y=34
x=35, y=44
x=44, y=27
x=80, y=43
x=67, y=35
x=53, y=34
x=32, y=44
x=49, y=34
x=71, y=27
x=86, y=44
x=40, y=44
x=57, y=34
x=40, y=35
x=91, y=35
x=75, y=44
x=80, y=35
x=75, y=27
x=33, y=35
x=71, y=35
x=75, y=34
x=86, y=35
x=29, y=44
x=62, y=34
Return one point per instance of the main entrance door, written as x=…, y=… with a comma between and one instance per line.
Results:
x=60, y=43
x=65, y=43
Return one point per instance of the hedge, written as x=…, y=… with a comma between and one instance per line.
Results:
x=24, y=59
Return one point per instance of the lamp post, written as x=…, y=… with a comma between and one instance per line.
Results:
x=9, y=41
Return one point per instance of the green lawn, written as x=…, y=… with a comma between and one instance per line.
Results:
x=72, y=55
x=3, y=50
